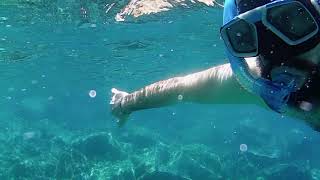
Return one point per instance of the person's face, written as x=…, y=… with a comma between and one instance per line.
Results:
x=313, y=55
x=305, y=68
x=301, y=66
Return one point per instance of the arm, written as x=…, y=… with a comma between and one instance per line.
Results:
x=216, y=85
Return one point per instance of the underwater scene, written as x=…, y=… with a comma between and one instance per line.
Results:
x=59, y=60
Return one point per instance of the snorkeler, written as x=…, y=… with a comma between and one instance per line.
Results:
x=273, y=48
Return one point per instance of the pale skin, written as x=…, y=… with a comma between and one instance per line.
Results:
x=216, y=85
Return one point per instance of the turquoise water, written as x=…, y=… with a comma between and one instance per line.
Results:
x=52, y=129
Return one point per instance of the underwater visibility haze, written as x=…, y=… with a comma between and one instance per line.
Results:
x=58, y=63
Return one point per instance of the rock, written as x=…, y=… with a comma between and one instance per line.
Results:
x=21, y=170
x=3, y=175
x=315, y=173
x=98, y=146
x=30, y=150
x=287, y=171
x=263, y=146
x=165, y=162
x=197, y=162
x=71, y=165
x=118, y=170
x=139, y=138
x=248, y=164
x=57, y=142
x=157, y=175
x=142, y=169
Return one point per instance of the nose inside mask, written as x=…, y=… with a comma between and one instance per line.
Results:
x=300, y=74
x=306, y=94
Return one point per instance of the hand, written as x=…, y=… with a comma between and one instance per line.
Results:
x=116, y=109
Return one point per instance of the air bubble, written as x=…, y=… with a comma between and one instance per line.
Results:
x=243, y=147
x=180, y=97
x=92, y=93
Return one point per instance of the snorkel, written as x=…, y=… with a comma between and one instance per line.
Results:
x=275, y=93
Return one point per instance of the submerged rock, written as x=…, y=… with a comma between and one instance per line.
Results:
x=117, y=170
x=140, y=138
x=287, y=171
x=197, y=162
x=71, y=165
x=33, y=168
x=157, y=175
x=99, y=146
x=22, y=170
x=315, y=173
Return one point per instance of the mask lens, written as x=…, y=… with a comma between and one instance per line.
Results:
x=292, y=20
x=242, y=37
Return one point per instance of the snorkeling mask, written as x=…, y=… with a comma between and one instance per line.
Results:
x=295, y=22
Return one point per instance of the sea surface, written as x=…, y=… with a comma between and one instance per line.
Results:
x=51, y=57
